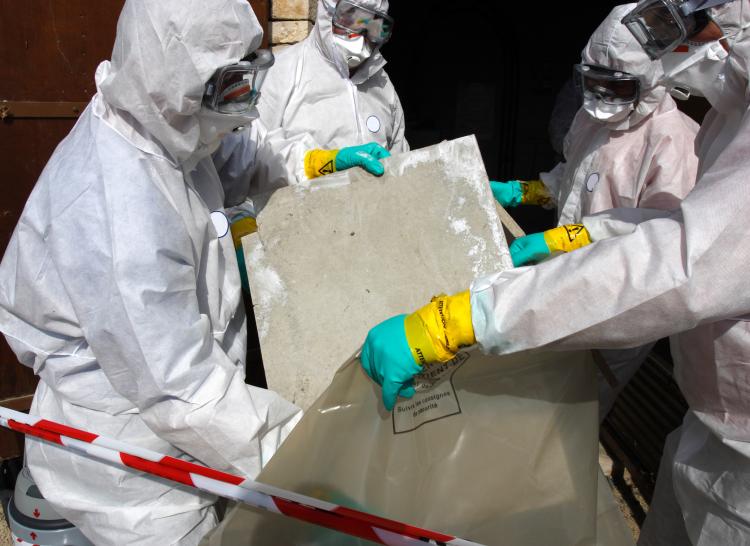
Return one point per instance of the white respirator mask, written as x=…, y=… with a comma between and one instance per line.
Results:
x=355, y=50
x=214, y=126
x=601, y=111
x=697, y=71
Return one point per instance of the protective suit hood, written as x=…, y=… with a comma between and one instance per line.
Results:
x=164, y=53
x=734, y=20
x=613, y=46
x=322, y=35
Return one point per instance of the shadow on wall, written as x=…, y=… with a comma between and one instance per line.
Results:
x=492, y=69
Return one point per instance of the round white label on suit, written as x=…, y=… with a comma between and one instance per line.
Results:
x=221, y=223
x=373, y=124
x=592, y=181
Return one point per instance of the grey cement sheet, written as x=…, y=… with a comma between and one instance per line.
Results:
x=332, y=259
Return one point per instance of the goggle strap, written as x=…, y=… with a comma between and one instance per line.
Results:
x=381, y=14
x=691, y=6
x=592, y=70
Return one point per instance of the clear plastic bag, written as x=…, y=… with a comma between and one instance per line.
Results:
x=498, y=450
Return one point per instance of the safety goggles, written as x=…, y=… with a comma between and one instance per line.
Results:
x=354, y=18
x=661, y=25
x=609, y=86
x=235, y=88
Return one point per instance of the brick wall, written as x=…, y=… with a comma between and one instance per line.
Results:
x=291, y=21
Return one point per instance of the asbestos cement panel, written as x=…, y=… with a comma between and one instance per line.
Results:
x=332, y=259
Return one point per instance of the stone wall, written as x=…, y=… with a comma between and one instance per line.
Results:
x=291, y=21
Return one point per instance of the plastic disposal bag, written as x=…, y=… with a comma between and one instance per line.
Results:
x=498, y=450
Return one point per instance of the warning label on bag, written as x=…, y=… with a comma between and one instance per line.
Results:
x=435, y=397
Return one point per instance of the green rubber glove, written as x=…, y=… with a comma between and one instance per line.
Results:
x=242, y=224
x=396, y=348
x=387, y=359
x=508, y=194
x=537, y=246
x=322, y=162
x=531, y=248
x=365, y=156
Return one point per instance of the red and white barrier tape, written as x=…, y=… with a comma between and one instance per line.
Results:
x=276, y=500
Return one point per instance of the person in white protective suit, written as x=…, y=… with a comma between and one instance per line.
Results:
x=120, y=285
x=328, y=90
x=648, y=274
x=331, y=87
x=628, y=146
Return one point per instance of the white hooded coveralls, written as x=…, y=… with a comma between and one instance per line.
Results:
x=682, y=272
x=308, y=94
x=120, y=285
x=645, y=161
x=308, y=100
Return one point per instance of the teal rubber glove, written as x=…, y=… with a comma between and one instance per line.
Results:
x=366, y=156
x=242, y=224
x=537, y=246
x=387, y=359
x=531, y=248
x=244, y=282
x=508, y=194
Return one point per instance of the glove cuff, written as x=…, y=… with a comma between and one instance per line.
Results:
x=242, y=227
x=320, y=163
x=535, y=193
x=436, y=331
x=566, y=238
x=459, y=327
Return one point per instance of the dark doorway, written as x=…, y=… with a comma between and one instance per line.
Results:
x=491, y=69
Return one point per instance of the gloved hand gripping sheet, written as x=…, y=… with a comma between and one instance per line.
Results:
x=497, y=450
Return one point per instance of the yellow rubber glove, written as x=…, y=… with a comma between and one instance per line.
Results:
x=535, y=193
x=435, y=332
x=366, y=156
x=396, y=349
x=320, y=163
x=245, y=225
x=566, y=238
x=538, y=246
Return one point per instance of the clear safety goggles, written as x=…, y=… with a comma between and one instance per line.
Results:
x=354, y=18
x=235, y=88
x=609, y=86
x=661, y=25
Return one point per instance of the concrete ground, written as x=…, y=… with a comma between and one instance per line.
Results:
x=4, y=532
x=606, y=465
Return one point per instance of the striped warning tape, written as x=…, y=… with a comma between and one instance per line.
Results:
x=273, y=499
